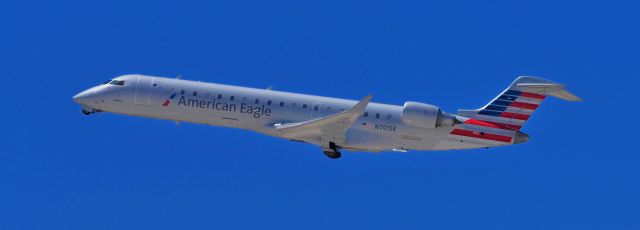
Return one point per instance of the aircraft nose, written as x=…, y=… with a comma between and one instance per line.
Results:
x=85, y=97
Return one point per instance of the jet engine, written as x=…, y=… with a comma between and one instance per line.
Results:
x=425, y=116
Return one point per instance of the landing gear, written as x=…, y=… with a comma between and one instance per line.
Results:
x=88, y=111
x=332, y=152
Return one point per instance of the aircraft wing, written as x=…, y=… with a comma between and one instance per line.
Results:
x=329, y=128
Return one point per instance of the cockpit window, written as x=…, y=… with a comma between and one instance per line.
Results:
x=116, y=82
x=113, y=82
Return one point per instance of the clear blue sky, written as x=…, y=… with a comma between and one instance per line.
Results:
x=62, y=170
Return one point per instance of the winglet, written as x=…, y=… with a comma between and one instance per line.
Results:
x=361, y=105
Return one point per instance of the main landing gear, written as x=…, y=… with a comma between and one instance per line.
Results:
x=332, y=152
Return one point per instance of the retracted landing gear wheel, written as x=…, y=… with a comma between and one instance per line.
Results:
x=332, y=154
x=85, y=112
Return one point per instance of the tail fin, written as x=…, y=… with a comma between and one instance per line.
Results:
x=513, y=107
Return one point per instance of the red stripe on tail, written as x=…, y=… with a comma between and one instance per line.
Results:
x=532, y=95
x=505, y=126
x=481, y=135
x=491, y=124
x=514, y=116
x=523, y=105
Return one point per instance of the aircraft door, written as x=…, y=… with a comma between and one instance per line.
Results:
x=143, y=90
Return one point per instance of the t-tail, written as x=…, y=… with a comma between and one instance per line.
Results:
x=500, y=121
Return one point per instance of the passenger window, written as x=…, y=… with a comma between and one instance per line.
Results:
x=377, y=115
x=195, y=93
x=304, y=106
x=315, y=108
x=257, y=101
x=182, y=92
x=219, y=96
x=269, y=102
x=281, y=103
x=366, y=114
x=231, y=98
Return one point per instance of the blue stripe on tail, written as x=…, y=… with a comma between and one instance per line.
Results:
x=490, y=113
x=513, y=92
x=496, y=108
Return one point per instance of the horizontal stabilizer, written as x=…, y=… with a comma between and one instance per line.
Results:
x=551, y=89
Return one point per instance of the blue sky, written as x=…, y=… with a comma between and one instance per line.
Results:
x=62, y=170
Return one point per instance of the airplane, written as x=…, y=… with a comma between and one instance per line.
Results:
x=333, y=124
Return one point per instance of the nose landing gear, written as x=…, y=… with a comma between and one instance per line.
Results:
x=88, y=111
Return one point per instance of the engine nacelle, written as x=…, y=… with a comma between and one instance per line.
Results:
x=425, y=115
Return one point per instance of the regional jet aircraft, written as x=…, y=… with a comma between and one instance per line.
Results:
x=332, y=124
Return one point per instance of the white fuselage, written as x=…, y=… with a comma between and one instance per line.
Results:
x=380, y=128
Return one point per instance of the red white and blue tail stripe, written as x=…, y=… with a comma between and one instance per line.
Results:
x=511, y=109
x=499, y=121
